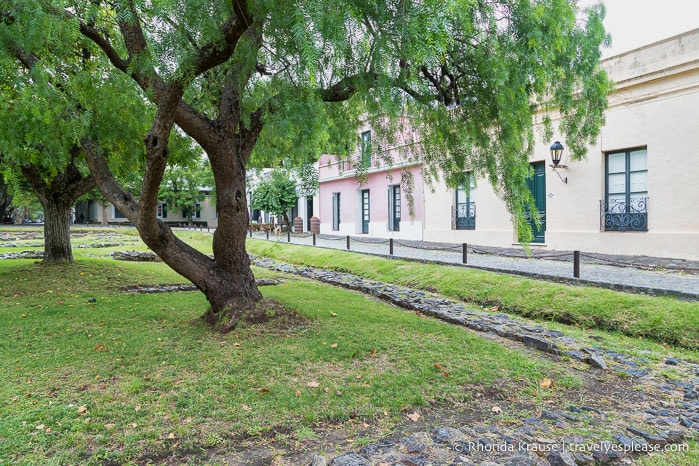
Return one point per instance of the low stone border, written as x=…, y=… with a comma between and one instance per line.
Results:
x=189, y=287
x=32, y=254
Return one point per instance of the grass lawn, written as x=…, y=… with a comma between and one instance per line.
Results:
x=665, y=320
x=131, y=376
x=95, y=375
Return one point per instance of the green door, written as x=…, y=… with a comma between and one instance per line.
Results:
x=537, y=186
x=365, y=211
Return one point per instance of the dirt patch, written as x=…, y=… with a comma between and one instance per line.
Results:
x=286, y=447
x=271, y=317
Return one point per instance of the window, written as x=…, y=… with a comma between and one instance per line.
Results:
x=366, y=149
x=336, y=211
x=197, y=210
x=464, y=211
x=162, y=210
x=625, y=207
x=118, y=214
x=394, y=207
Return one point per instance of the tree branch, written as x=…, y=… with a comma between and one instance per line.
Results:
x=121, y=199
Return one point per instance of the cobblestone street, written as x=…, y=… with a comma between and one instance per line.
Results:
x=640, y=274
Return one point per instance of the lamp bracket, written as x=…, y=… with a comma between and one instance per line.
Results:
x=555, y=167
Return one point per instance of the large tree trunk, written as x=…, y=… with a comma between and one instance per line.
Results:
x=105, y=214
x=57, y=198
x=57, y=246
x=5, y=200
x=230, y=254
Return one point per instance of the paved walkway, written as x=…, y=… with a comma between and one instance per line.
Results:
x=640, y=274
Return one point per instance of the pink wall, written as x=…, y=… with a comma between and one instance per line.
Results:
x=377, y=184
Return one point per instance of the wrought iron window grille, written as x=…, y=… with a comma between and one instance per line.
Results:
x=463, y=216
x=620, y=215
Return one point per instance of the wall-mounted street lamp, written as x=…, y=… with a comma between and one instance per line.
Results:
x=556, y=156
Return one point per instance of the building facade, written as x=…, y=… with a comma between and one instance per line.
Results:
x=632, y=195
x=378, y=191
x=95, y=212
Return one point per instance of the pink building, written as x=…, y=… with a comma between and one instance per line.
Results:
x=377, y=192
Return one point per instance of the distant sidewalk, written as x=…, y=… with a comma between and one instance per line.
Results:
x=637, y=274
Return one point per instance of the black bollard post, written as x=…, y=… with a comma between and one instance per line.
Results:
x=288, y=236
x=576, y=264
x=390, y=246
x=348, y=241
x=267, y=233
x=314, y=239
x=464, y=253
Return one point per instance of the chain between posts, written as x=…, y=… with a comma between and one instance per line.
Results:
x=465, y=248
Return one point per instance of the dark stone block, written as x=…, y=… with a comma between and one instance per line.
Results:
x=542, y=344
x=349, y=459
x=561, y=458
x=596, y=361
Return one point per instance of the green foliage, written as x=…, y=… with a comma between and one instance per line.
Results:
x=275, y=194
x=308, y=180
x=184, y=187
x=57, y=89
x=471, y=75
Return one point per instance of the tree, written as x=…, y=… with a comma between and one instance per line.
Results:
x=49, y=105
x=276, y=195
x=5, y=201
x=255, y=81
x=182, y=186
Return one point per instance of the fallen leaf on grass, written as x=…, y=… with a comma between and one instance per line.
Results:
x=171, y=436
x=246, y=408
x=82, y=409
x=263, y=391
x=545, y=383
x=40, y=427
x=109, y=426
x=313, y=384
x=414, y=417
x=496, y=409
x=99, y=347
x=334, y=345
x=298, y=393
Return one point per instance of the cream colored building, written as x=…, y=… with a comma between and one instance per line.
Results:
x=634, y=194
x=94, y=212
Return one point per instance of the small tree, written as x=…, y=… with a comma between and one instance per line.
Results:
x=182, y=187
x=276, y=195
